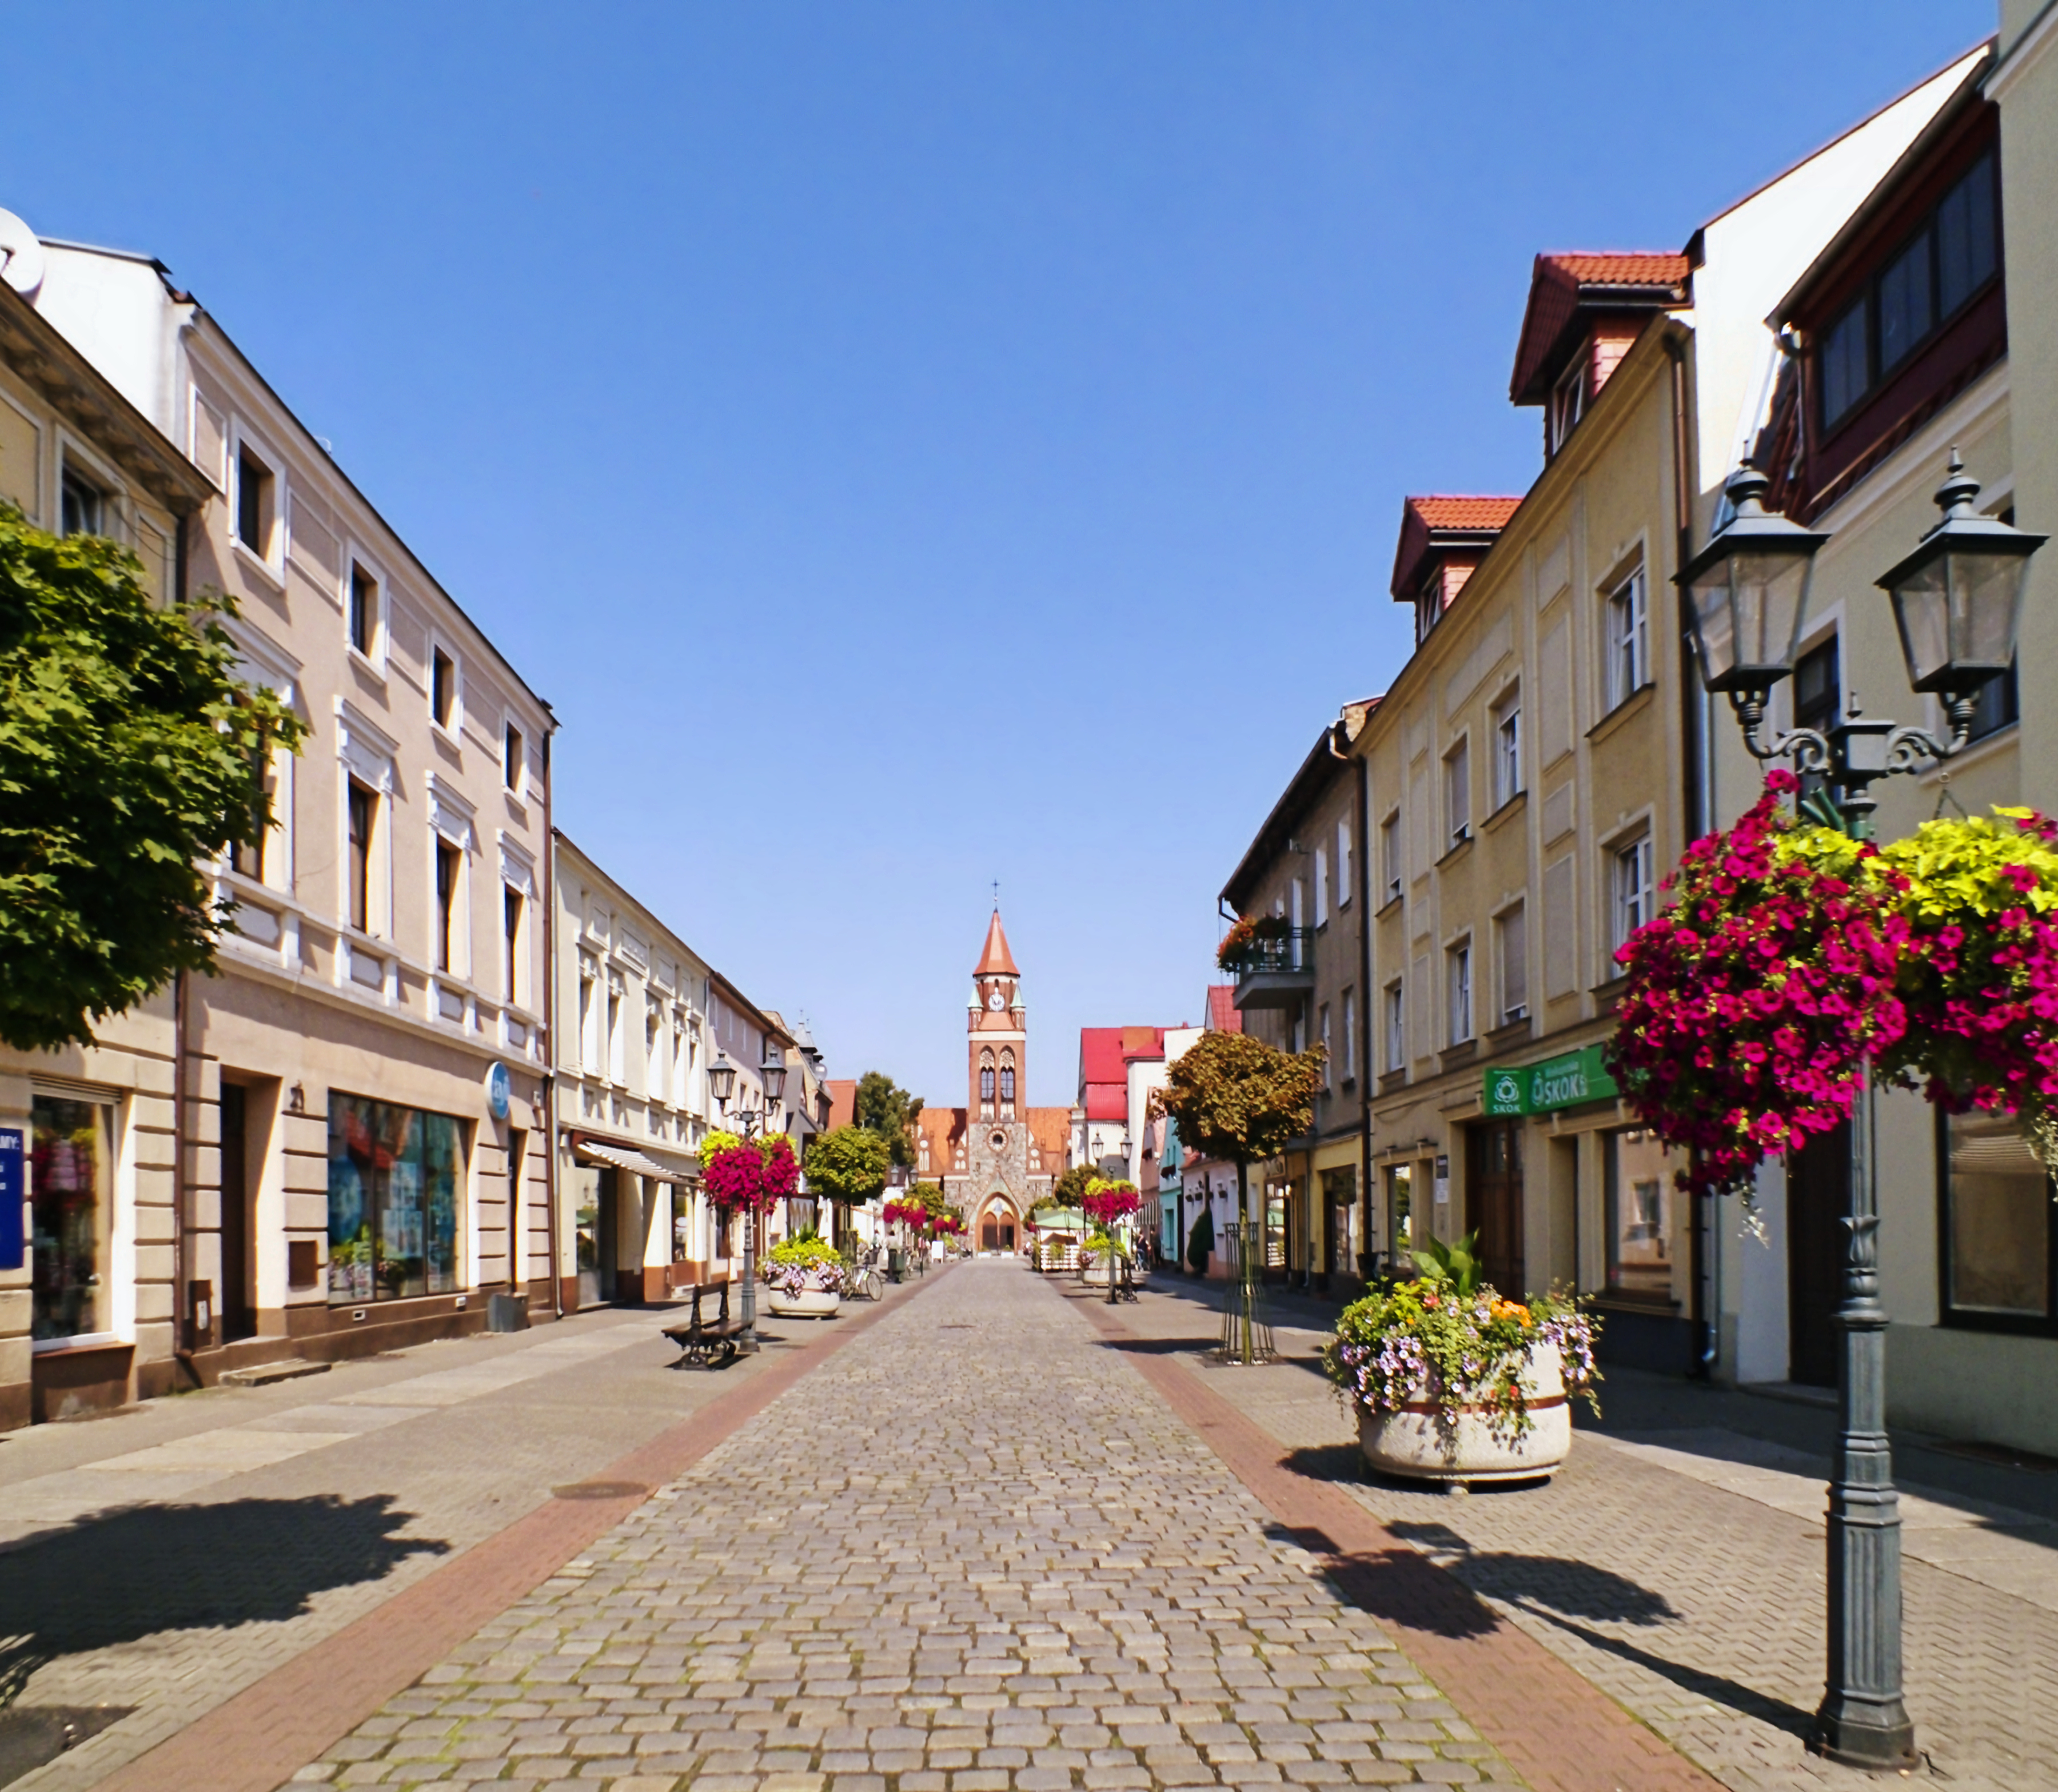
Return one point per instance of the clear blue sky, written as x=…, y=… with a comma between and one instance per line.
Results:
x=916, y=444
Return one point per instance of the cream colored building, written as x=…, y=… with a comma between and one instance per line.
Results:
x=362, y=1082
x=86, y=1314
x=1536, y=767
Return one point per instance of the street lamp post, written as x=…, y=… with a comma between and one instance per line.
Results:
x=721, y=1084
x=1957, y=600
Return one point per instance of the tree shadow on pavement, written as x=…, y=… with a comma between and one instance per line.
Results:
x=145, y=1569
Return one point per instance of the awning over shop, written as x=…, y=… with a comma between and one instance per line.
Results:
x=1059, y=1219
x=621, y=1157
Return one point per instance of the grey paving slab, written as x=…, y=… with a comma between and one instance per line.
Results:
x=973, y=1552
x=1679, y=1566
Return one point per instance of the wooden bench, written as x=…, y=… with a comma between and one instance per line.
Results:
x=709, y=1341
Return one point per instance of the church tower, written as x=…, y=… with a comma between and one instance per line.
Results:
x=997, y=1024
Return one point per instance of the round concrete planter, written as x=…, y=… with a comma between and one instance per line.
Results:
x=810, y=1303
x=1421, y=1443
x=1094, y=1275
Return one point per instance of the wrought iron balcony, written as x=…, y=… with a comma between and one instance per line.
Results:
x=1273, y=972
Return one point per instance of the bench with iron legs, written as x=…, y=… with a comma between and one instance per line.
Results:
x=709, y=1341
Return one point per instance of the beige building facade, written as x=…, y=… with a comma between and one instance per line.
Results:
x=86, y=1302
x=361, y=1098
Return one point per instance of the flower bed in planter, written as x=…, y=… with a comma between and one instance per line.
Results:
x=1449, y=1381
x=803, y=1278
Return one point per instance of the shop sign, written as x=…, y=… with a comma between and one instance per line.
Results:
x=1565, y=1081
x=498, y=1091
x=13, y=1243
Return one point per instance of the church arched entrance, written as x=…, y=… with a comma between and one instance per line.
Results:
x=998, y=1227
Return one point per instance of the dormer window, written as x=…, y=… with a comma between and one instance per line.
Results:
x=1428, y=606
x=1568, y=403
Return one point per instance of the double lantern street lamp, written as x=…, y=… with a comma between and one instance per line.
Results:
x=721, y=1085
x=1957, y=601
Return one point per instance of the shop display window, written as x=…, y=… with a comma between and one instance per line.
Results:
x=71, y=1206
x=393, y=1179
x=1400, y=1220
x=1997, y=1233
x=1638, y=1193
x=1339, y=1189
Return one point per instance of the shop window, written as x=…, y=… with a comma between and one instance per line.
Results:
x=1638, y=1184
x=1400, y=1216
x=393, y=1179
x=1339, y=1195
x=1997, y=1231
x=71, y=1218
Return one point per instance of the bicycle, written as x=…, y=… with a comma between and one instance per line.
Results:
x=862, y=1278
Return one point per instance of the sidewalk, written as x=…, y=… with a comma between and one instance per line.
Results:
x=1677, y=1561
x=155, y=1562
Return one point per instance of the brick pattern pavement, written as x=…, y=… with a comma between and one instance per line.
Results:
x=973, y=1552
x=1698, y=1609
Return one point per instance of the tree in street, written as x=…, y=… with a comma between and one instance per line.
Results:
x=883, y=1107
x=848, y=1167
x=129, y=754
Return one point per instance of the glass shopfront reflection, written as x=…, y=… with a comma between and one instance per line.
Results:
x=393, y=1179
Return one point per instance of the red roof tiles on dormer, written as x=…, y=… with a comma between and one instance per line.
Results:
x=1444, y=525
x=1563, y=287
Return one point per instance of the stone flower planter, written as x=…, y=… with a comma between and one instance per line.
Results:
x=1094, y=1275
x=1421, y=1443
x=810, y=1303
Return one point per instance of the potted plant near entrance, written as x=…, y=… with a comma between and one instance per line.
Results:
x=1449, y=1381
x=803, y=1278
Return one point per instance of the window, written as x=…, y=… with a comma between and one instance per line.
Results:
x=589, y=1018
x=1997, y=1235
x=1508, y=749
x=1343, y=865
x=1998, y=705
x=1428, y=606
x=1843, y=359
x=253, y=503
x=1458, y=793
x=1298, y=913
x=449, y=860
x=393, y=1178
x=364, y=610
x=1322, y=1033
x=1568, y=402
x=511, y=934
x=1350, y=1036
x=1635, y=891
x=80, y=505
x=986, y=1083
x=1321, y=887
x=1638, y=1234
x=513, y=758
x=249, y=858
x=1397, y=1028
x=443, y=688
x=1458, y=990
x=1818, y=696
x=1931, y=277
x=1339, y=1192
x=362, y=805
x=1512, y=930
x=1400, y=1220
x=1007, y=1082
x=1628, y=623
x=1389, y=856
x=71, y=1218
x=615, y=1066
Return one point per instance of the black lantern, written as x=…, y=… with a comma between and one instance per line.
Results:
x=1748, y=591
x=774, y=1073
x=721, y=1079
x=1958, y=597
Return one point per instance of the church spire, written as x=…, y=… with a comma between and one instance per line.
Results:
x=997, y=960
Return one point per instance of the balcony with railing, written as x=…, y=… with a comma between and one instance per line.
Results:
x=1273, y=969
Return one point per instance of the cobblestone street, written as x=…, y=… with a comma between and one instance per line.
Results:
x=972, y=1551
x=1677, y=1563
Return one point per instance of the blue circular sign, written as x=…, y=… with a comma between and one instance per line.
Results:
x=497, y=1091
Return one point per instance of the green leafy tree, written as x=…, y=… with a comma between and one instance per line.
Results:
x=1070, y=1189
x=846, y=1167
x=1236, y=1098
x=130, y=752
x=883, y=1107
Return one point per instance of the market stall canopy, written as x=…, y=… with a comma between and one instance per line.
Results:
x=1059, y=1219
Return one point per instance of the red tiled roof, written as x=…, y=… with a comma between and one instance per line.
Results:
x=843, y=1101
x=1428, y=523
x=1224, y=1016
x=1051, y=1128
x=1560, y=286
x=1106, y=1101
x=997, y=960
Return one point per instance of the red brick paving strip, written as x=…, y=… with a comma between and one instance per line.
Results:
x=1559, y=1732
x=259, y=1739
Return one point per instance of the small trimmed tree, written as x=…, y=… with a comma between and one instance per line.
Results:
x=1070, y=1189
x=130, y=754
x=848, y=1167
x=883, y=1107
x=1236, y=1098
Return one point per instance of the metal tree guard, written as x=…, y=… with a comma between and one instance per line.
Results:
x=1246, y=1336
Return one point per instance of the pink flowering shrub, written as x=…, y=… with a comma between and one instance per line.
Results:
x=1753, y=1000
x=753, y=1175
x=1106, y=1203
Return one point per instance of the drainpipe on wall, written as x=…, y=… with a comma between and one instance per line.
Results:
x=181, y=1306
x=1365, y=1060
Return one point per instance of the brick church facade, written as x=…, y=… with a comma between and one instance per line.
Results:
x=996, y=1154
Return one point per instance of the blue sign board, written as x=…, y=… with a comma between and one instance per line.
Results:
x=13, y=1245
x=497, y=1091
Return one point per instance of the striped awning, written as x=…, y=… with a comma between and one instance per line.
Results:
x=623, y=1157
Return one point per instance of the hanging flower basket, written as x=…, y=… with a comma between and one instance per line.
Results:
x=1246, y=930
